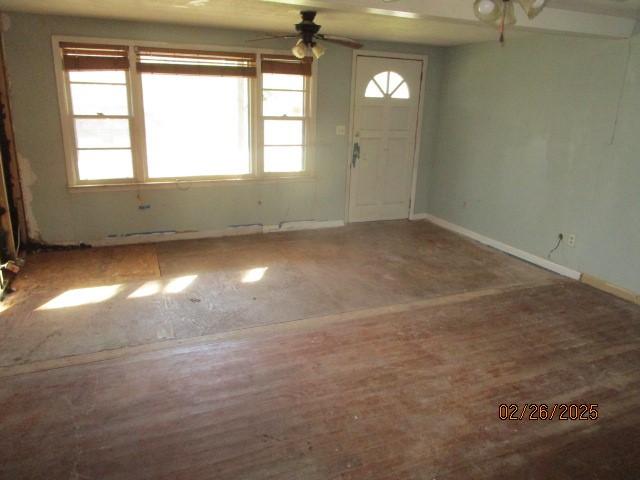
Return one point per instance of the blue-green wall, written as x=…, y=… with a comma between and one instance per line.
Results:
x=519, y=143
x=529, y=146
x=61, y=216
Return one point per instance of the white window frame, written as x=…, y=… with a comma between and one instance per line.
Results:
x=306, y=120
x=137, y=127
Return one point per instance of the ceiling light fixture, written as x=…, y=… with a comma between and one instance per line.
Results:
x=299, y=50
x=501, y=13
x=318, y=50
x=308, y=35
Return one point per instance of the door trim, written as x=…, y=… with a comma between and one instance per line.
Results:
x=418, y=140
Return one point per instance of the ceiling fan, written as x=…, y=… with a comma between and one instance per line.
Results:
x=308, y=36
x=501, y=13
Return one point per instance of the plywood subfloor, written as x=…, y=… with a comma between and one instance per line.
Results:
x=365, y=390
x=308, y=274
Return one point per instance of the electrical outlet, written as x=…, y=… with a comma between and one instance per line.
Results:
x=571, y=240
x=341, y=130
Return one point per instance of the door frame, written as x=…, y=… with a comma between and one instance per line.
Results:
x=418, y=139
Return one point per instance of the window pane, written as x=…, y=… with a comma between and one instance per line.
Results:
x=283, y=159
x=92, y=99
x=283, y=132
x=382, y=79
x=102, y=133
x=196, y=125
x=277, y=103
x=282, y=81
x=373, y=90
x=99, y=76
x=104, y=164
x=394, y=81
x=401, y=92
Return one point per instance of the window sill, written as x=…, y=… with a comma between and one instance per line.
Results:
x=188, y=184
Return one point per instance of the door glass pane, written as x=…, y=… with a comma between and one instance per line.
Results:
x=282, y=81
x=394, y=81
x=99, y=76
x=373, y=90
x=382, y=79
x=93, y=99
x=104, y=164
x=283, y=132
x=277, y=103
x=102, y=133
x=196, y=125
x=401, y=92
x=283, y=159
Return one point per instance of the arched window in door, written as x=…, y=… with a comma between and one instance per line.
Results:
x=387, y=84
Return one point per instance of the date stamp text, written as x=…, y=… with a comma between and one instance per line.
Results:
x=543, y=411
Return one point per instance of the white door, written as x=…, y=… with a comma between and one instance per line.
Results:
x=386, y=108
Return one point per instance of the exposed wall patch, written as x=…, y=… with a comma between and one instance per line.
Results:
x=253, y=229
x=28, y=178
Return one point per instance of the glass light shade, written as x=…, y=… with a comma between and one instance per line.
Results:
x=532, y=7
x=299, y=50
x=318, y=50
x=488, y=10
x=509, y=14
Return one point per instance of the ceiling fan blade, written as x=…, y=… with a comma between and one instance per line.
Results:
x=271, y=37
x=346, y=42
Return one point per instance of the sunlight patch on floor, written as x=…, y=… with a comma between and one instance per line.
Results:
x=254, y=275
x=146, y=290
x=179, y=284
x=81, y=296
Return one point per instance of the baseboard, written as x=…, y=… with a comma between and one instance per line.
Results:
x=304, y=225
x=529, y=257
x=611, y=288
x=418, y=216
x=153, y=237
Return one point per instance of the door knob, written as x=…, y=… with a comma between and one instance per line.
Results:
x=356, y=154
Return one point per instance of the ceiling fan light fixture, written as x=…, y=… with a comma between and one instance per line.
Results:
x=318, y=50
x=488, y=10
x=308, y=34
x=532, y=7
x=509, y=14
x=501, y=13
x=299, y=50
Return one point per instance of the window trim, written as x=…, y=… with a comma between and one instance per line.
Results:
x=137, y=129
x=307, y=118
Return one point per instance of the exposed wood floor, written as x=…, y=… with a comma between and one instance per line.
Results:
x=308, y=274
x=373, y=351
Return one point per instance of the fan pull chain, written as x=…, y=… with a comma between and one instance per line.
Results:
x=502, y=22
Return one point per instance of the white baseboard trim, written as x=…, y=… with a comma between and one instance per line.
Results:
x=418, y=216
x=153, y=237
x=304, y=225
x=516, y=252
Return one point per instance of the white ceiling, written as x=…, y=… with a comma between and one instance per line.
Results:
x=630, y=8
x=437, y=22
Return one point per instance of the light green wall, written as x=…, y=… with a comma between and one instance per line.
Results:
x=528, y=147
x=59, y=216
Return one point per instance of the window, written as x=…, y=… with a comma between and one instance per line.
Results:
x=202, y=129
x=99, y=96
x=284, y=113
x=196, y=112
x=140, y=114
x=387, y=84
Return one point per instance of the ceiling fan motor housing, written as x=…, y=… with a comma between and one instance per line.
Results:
x=307, y=27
